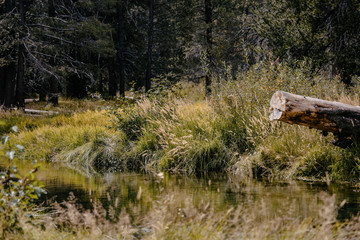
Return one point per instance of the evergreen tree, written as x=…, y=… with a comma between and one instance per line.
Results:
x=326, y=32
x=59, y=42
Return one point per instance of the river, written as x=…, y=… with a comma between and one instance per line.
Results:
x=221, y=191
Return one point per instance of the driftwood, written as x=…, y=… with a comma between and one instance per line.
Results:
x=341, y=119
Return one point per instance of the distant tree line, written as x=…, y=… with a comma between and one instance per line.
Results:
x=77, y=47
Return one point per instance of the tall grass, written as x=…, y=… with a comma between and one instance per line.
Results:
x=230, y=131
x=179, y=130
x=281, y=150
x=82, y=141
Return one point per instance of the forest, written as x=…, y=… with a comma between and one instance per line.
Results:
x=149, y=119
x=79, y=48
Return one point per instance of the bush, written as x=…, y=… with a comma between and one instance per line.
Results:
x=17, y=193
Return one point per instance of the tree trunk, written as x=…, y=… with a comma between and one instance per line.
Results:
x=39, y=112
x=9, y=85
x=100, y=86
x=341, y=119
x=208, y=22
x=42, y=95
x=7, y=99
x=20, y=77
x=148, y=73
x=53, y=82
x=121, y=49
x=2, y=87
x=54, y=91
x=19, y=99
x=9, y=5
x=112, y=79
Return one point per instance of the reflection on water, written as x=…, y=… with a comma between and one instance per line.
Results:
x=221, y=191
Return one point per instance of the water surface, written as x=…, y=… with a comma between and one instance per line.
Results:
x=129, y=190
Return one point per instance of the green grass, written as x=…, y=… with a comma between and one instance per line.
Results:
x=82, y=141
x=230, y=131
x=179, y=130
x=294, y=151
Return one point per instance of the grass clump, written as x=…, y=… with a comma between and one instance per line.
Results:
x=82, y=142
x=177, y=136
x=218, y=133
x=293, y=151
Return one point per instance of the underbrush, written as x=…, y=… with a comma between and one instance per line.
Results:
x=178, y=129
x=230, y=131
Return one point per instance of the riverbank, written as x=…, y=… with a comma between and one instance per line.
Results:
x=165, y=207
x=179, y=130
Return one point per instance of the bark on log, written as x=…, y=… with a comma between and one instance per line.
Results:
x=341, y=119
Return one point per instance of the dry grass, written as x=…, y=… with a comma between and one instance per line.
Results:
x=180, y=131
x=176, y=217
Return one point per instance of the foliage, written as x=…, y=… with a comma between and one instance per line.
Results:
x=17, y=193
x=323, y=32
x=174, y=128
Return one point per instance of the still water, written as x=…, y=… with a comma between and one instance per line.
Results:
x=221, y=191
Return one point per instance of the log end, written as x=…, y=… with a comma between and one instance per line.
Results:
x=275, y=114
x=277, y=105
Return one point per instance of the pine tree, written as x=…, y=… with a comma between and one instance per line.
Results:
x=326, y=32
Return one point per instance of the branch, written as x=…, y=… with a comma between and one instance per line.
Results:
x=63, y=40
x=40, y=64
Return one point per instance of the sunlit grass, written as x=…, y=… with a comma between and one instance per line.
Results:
x=290, y=152
x=179, y=130
x=82, y=142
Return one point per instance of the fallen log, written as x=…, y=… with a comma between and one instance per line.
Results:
x=30, y=100
x=39, y=112
x=341, y=119
x=32, y=112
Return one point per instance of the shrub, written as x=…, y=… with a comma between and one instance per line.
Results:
x=17, y=193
